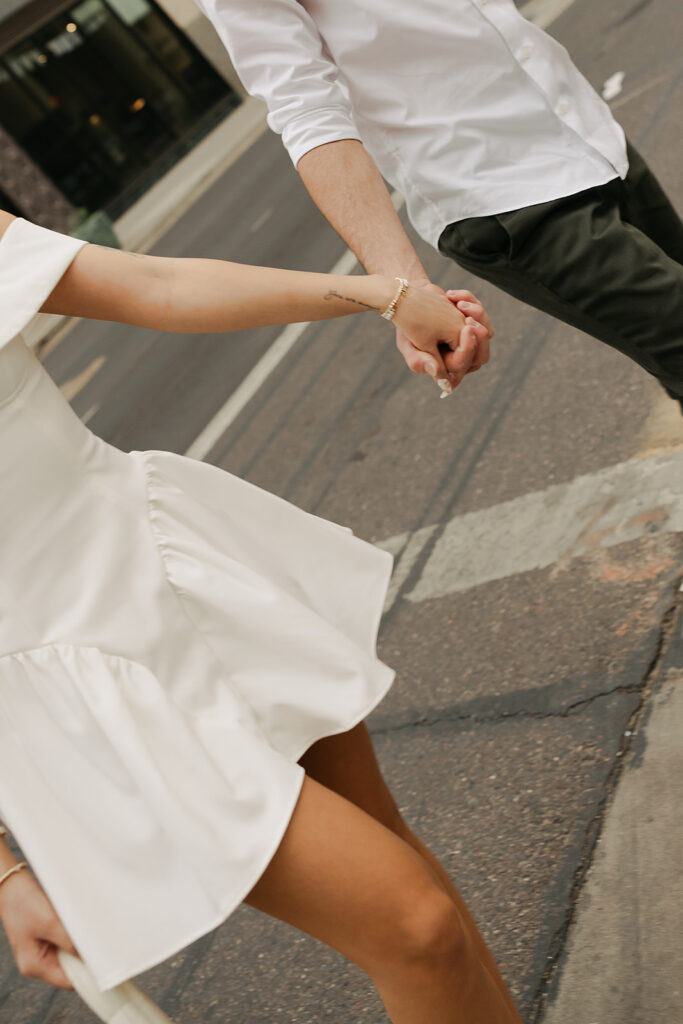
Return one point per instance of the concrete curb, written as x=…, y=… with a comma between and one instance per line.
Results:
x=624, y=952
x=148, y=219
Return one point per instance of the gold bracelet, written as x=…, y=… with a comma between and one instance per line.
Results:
x=13, y=871
x=388, y=313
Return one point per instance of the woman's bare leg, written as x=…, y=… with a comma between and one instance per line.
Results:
x=344, y=878
x=347, y=764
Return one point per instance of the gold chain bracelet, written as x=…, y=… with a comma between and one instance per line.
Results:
x=13, y=871
x=388, y=313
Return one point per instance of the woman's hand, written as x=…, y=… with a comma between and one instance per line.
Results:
x=436, y=337
x=34, y=931
x=470, y=306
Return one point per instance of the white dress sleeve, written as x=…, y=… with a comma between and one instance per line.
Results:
x=32, y=262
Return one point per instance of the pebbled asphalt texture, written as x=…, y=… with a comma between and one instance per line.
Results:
x=504, y=733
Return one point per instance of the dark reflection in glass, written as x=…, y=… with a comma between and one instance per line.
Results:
x=106, y=97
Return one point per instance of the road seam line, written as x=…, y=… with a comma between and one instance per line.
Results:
x=544, y=12
x=269, y=361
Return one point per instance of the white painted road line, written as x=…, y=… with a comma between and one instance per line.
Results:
x=406, y=549
x=72, y=387
x=242, y=395
x=261, y=220
x=546, y=528
x=92, y=411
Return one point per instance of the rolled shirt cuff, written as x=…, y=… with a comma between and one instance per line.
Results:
x=315, y=128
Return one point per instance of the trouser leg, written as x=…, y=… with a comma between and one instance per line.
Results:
x=646, y=206
x=605, y=261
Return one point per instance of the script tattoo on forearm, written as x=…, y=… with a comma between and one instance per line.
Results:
x=347, y=298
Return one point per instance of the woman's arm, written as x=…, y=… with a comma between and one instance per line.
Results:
x=200, y=295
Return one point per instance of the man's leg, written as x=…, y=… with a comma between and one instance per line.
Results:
x=646, y=206
x=592, y=260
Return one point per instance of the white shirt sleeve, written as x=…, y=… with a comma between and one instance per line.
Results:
x=278, y=53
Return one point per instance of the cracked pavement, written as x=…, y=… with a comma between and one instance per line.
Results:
x=519, y=699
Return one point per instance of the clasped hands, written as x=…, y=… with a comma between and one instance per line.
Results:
x=445, y=334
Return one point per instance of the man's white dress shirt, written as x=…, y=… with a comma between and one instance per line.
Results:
x=465, y=106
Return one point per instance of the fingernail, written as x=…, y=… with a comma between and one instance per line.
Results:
x=445, y=394
x=445, y=385
x=430, y=368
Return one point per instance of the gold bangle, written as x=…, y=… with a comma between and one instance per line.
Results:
x=13, y=871
x=388, y=313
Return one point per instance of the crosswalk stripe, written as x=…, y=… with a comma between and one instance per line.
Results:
x=592, y=512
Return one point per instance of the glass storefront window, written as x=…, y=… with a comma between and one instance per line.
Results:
x=7, y=204
x=105, y=97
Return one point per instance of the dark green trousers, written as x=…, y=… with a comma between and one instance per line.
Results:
x=608, y=260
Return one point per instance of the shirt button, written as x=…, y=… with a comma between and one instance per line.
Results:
x=525, y=53
x=563, y=107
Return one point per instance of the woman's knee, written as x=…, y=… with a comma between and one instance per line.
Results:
x=428, y=930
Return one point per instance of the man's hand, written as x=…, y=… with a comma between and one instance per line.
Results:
x=34, y=931
x=473, y=310
x=464, y=351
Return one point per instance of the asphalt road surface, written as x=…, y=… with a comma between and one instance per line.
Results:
x=525, y=643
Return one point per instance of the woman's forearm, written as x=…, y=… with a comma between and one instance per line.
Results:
x=7, y=858
x=195, y=296
x=200, y=295
x=207, y=295
x=7, y=861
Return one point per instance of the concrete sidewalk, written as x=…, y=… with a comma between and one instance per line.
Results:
x=174, y=193
x=624, y=958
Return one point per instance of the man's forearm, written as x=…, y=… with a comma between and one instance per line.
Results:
x=349, y=190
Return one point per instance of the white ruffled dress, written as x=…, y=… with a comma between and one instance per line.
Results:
x=172, y=639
